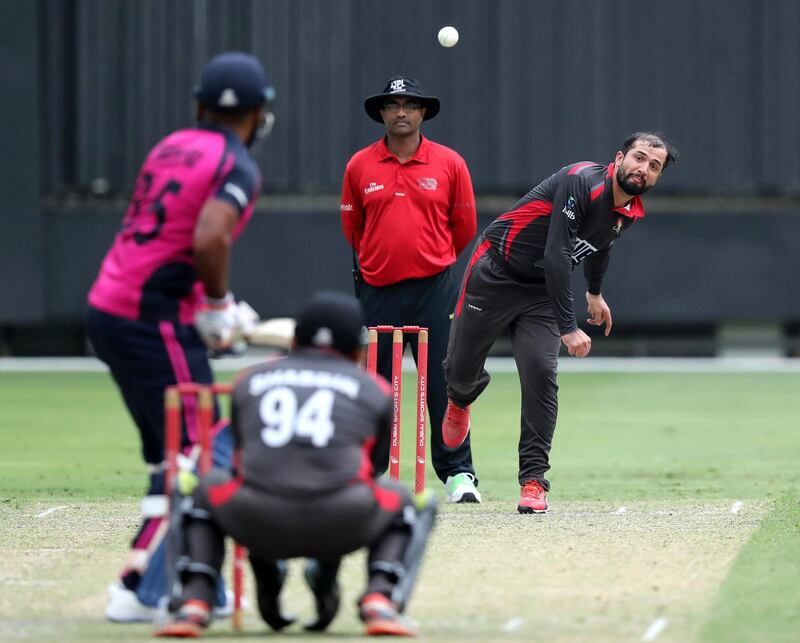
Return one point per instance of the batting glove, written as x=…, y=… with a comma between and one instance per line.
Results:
x=224, y=325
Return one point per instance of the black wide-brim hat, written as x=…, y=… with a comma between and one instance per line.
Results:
x=401, y=86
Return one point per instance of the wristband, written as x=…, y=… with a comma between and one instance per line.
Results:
x=222, y=302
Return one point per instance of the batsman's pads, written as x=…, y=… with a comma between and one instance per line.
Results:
x=415, y=550
x=321, y=579
x=270, y=576
x=224, y=325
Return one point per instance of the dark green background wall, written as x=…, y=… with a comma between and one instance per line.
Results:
x=88, y=86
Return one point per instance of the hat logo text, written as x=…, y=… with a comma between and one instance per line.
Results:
x=397, y=86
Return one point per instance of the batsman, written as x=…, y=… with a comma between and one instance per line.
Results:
x=161, y=300
x=311, y=428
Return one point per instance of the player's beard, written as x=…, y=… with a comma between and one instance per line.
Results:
x=628, y=186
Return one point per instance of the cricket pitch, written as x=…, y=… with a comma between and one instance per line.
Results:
x=587, y=571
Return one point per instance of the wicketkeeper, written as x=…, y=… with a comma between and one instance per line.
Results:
x=311, y=427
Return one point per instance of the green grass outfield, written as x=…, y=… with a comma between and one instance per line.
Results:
x=674, y=514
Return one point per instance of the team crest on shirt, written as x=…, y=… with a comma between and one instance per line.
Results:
x=373, y=187
x=570, y=208
x=582, y=250
x=617, y=226
x=428, y=183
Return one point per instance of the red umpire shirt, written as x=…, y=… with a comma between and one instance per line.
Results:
x=407, y=220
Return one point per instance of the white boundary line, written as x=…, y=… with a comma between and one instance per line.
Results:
x=764, y=364
x=47, y=512
x=655, y=629
x=493, y=364
x=512, y=624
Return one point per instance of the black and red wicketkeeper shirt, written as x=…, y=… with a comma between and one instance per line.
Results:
x=407, y=220
x=568, y=218
x=310, y=423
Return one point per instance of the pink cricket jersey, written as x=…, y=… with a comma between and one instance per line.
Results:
x=149, y=272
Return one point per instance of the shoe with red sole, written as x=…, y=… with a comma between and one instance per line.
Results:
x=381, y=617
x=532, y=498
x=455, y=426
x=190, y=621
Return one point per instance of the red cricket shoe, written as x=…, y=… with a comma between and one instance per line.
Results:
x=381, y=617
x=532, y=498
x=193, y=616
x=455, y=426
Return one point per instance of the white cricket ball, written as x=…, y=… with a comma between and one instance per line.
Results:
x=448, y=36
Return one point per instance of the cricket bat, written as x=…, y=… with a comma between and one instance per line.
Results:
x=274, y=333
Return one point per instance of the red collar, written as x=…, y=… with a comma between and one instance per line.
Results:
x=633, y=208
x=420, y=156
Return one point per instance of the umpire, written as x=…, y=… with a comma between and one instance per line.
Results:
x=311, y=427
x=408, y=210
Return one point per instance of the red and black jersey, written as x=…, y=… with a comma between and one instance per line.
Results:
x=567, y=218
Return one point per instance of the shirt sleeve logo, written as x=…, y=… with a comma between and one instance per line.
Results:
x=237, y=193
x=428, y=183
x=346, y=207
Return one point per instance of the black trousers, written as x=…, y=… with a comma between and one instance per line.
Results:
x=493, y=302
x=370, y=514
x=326, y=526
x=427, y=302
x=144, y=358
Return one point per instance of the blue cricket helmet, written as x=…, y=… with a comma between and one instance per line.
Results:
x=234, y=82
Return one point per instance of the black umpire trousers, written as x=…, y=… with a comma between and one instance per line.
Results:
x=426, y=302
